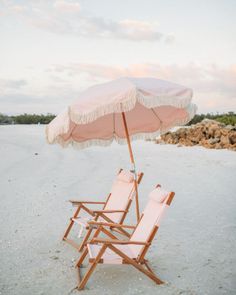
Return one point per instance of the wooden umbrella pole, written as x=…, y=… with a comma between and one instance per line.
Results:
x=133, y=163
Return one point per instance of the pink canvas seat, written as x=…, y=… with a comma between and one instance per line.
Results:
x=114, y=209
x=132, y=251
x=122, y=192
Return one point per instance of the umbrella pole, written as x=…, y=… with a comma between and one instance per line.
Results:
x=133, y=163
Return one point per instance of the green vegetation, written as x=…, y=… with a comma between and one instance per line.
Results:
x=227, y=118
x=26, y=119
x=6, y=119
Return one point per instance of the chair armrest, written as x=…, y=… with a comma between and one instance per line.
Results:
x=110, y=224
x=77, y=203
x=120, y=242
x=89, y=211
x=109, y=211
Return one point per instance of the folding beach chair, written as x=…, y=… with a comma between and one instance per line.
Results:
x=132, y=251
x=114, y=210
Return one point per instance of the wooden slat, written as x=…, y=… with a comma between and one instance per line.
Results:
x=110, y=224
x=136, y=265
x=79, y=275
x=109, y=211
x=91, y=260
x=75, y=202
x=170, y=198
x=111, y=241
x=91, y=268
x=71, y=223
x=81, y=258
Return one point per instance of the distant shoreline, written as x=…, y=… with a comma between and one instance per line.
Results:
x=29, y=119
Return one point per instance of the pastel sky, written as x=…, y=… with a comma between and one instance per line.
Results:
x=51, y=50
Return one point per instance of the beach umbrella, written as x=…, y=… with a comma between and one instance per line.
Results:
x=122, y=110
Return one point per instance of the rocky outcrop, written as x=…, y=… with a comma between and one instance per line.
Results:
x=208, y=133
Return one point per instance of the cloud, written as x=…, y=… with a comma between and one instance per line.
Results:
x=7, y=84
x=214, y=86
x=137, y=30
x=65, y=6
x=19, y=103
x=13, y=99
x=206, y=78
x=98, y=27
x=91, y=70
x=67, y=17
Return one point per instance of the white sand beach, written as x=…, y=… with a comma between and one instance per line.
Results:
x=194, y=250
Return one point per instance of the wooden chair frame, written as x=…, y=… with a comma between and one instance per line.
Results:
x=96, y=214
x=140, y=263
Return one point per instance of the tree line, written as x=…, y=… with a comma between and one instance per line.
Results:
x=26, y=119
x=226, y=118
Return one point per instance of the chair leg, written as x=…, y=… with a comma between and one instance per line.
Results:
x=82, y=284
x=85, y=252
x=148, y=273
x=82, y=257
x=81, y=247
x=148, y=267
x=71, y=223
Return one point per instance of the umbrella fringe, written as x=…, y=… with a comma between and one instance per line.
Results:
x=191, y=110
x=128, y=104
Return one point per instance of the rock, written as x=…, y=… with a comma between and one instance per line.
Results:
x=212, y=129
x=182, y=141
x=188, y=143
x=218, y=146
x=233, y=147
x=203, y=141
x=208, y=133
x=232, y=137
x=218, y=133
x=227, y=146
x=213, y=140
x=182, y=133
x=230, y=127
x=224, y=131
x=224, y=140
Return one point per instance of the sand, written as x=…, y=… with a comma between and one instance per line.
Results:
x=194, y=251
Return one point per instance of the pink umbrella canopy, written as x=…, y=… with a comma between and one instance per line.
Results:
x=151, y=107
x=123, y=109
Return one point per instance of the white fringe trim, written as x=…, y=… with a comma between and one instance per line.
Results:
x=191, y=111
x=131, y=99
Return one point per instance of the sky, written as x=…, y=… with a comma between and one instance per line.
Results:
x=51, y=50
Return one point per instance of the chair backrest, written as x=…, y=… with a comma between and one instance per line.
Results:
x=121, y=196
x=159, y=200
